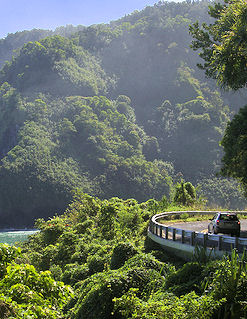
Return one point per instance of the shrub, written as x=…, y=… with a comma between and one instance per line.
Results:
x=148, y=261
x=66, y=247
x=74, y=273
x=97, y=292
x=96, y=264
x=6, y=308
x=107, y=220
x=51, y=232
x=33, y=294
x=81, y=228
x=47, y=257
x=164, y=306
x=185, y=279
x=121, y=253
x=7, y=255
x=185, y=193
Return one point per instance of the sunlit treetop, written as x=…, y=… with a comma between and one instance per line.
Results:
x=223, y=43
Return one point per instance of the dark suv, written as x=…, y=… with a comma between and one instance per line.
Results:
x=226, y=223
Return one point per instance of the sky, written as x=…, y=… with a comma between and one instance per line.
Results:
x=19, y=15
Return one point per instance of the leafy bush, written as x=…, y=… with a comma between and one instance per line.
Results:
x=26, y=293
x=96, y=264
x=96, y=293
x=7, y=255
x=185, y=279
x=75, y=273
x=228, y=283
x=6, y=308
x=66, y=247
x=81, y=228
x=52, y=232
x=185, y=193
x=164, y=306
x=121, y=253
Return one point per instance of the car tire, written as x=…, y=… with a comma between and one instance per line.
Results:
x=215, y=231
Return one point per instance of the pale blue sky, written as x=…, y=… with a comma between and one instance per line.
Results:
x=19, y=15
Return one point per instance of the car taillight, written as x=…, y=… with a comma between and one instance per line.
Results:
x=217, y=221
x=239, y=223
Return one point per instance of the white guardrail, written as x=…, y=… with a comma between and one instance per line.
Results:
x=183, y=242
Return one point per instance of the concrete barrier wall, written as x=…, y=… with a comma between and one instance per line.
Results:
x=183, y=243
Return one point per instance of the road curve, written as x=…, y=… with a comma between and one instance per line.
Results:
x=202, y=226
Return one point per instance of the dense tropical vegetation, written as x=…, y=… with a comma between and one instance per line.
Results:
x=223, y=48
x=95, y=261
x=118, y=117
x=114, y=110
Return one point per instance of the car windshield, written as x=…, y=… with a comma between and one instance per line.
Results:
x=228, y=217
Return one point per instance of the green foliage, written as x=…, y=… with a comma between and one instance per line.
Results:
x=201, y=255
x=234, y=146
x=222, y=192
x=75, y=273
x=96, y=264
x=52, y=232
x=107, y=220
x=66, y=69
x=61, y=142
x=224, y=52
x=46, y=164
x=7, y=255
x=228, y=282
x=185, y=193
x=27, y=293
x=140, y=285
x=110, y=285
x=223, y=43
x=121, y=253
x=53, y=140
x=185, y=279
x=165, y=306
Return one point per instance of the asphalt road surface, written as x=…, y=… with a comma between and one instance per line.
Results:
x=202, y=226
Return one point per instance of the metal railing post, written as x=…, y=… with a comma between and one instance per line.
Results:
x=205, y=238
x=170, y=233
x=167, y=234
x=236, y=243
x=219, y=243
x=174, y=234
x=192, y=238
x=182, y=239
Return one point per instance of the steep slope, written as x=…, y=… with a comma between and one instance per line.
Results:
x=112, y=110
x=52, y=146
x=14, y=41
x=55, y=65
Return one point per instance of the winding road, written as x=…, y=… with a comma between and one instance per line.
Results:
x=202, y=226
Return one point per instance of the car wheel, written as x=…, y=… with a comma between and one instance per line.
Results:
x=215, y=231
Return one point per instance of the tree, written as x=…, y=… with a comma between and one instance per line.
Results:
x=224, y=50
x=185, y=193
x=235, y=147
x=223, y=43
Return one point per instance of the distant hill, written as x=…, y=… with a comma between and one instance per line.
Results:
x=115, y=110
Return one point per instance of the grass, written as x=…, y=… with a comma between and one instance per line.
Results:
x=189, y=217
x=185, y=218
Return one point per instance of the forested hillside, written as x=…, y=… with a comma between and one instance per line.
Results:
x=114, y=110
